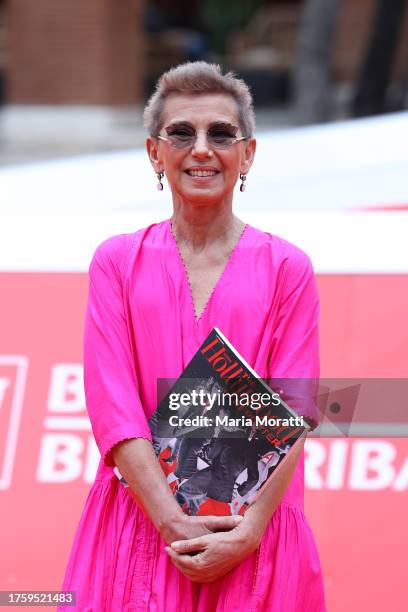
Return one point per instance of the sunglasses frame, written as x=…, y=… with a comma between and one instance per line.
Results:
x=233, y=141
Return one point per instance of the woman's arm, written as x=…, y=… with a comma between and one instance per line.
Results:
x=138, y=464
x=118, y=420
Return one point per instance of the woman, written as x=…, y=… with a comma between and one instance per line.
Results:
x=154, y=296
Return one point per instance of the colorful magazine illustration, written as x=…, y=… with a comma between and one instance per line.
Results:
x=220, y=432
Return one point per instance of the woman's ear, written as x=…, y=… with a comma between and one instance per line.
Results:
x=248, y=156
x=152, y=148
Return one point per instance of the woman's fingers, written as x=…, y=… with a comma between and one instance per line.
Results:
x=199, y=568
x=222, y=523
x=189, y=567
x=185, y=563
x=189, y=546
x=177, y=560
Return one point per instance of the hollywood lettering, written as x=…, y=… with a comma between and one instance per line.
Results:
x=240, y=381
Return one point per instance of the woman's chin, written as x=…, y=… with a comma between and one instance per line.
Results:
x=203, y=196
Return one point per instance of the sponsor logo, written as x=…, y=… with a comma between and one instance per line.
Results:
x=359, y=465
x=68, y=450
x=13, y=376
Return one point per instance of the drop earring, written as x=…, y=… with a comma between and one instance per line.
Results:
x=159, y=179
x=243, y=179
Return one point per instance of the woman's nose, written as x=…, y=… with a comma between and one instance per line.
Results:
x=201, y=147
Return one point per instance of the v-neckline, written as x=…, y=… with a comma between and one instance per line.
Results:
x=198, y=319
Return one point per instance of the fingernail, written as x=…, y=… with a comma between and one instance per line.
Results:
x=175, y=545
x=238, y=518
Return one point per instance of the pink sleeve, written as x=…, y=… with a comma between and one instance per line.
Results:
x=294, y=355
x=111, y=386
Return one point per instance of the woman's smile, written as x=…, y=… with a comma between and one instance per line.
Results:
x=202, y=173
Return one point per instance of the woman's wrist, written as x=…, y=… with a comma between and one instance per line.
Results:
x=253, y=525
x=171, y=525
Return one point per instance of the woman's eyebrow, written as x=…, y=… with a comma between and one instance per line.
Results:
x=224, y=124
x=179, y=123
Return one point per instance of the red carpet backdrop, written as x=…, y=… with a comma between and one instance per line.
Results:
x=356, y=497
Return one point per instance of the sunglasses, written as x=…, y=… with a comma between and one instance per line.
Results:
x=184, y=135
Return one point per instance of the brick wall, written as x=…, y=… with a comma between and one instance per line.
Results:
x=75, y=52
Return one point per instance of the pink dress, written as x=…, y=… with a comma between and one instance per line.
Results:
x=141, y=325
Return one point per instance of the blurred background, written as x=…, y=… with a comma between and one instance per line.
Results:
x=330, y=84
x=74, y=76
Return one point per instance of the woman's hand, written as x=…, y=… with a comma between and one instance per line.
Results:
x=211, y=556
x=184, y=527
x=217, y=553
x=149, y=489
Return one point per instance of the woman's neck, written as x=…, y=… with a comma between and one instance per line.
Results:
x=202, y=226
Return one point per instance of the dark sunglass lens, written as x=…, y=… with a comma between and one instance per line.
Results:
x=181, y=136
x=221, y=137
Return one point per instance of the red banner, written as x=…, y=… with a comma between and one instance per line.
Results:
x=356, y=496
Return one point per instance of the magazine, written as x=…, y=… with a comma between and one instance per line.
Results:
x=220, y=432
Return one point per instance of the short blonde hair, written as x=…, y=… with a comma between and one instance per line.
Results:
x=197, y=78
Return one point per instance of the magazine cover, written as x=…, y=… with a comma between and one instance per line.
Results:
x=220, y=431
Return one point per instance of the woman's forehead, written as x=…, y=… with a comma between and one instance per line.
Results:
x=200, y=108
